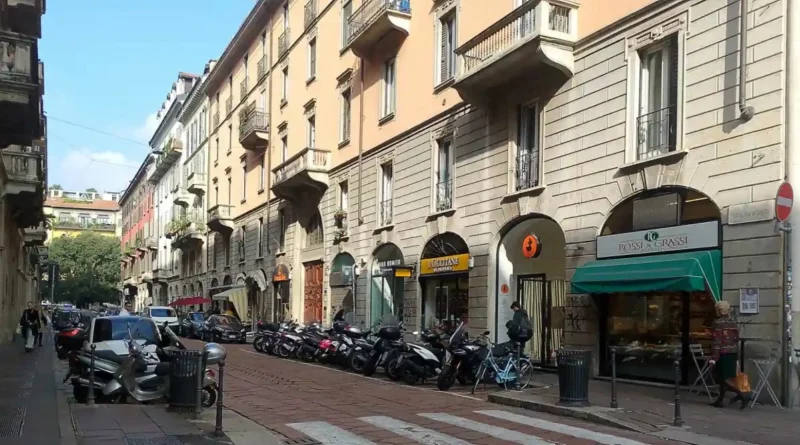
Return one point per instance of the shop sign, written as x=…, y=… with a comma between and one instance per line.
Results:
x=658, y=211
x=531, y=247
x=281, y=274
x=751, y=212
x=386, y=267
x=668, y=239
x=748, y=300
x=445, y=264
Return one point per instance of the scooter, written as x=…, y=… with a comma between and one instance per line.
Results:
x=420, y=362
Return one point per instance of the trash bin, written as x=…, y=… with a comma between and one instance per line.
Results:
x=574, y=367
x=184, y=367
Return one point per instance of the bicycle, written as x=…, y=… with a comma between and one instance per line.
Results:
x=508, y=373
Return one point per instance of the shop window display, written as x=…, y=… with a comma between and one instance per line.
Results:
x=446, y=301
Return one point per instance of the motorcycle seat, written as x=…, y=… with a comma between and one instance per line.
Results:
x=163, y=369
x=110, y=356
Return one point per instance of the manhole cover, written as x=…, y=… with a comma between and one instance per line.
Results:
x=12, y=417
x=171, y=440
x=301, y=442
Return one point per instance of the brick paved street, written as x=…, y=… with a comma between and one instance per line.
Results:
x=298, y=400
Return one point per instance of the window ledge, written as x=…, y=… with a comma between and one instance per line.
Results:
x=284, y=102
x=280, y=253
x=665, y=158
x=261, y=258
x=341, y=239
x=242, y=201
x=261, y=190
x=438, y=213
x=389, y=117
x=213, y=270
x=216, y=163
x=228, y=267
x=344, y=143
x=524, y=192
x=311, y=80
x=384, y=228
x=444, y=85
x=242, y=263
x=228, y=153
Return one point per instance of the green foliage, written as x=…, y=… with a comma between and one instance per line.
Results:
x=56, y=187
x=91, y=190
x=89, y=268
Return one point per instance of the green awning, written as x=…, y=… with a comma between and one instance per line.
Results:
x=684, y=271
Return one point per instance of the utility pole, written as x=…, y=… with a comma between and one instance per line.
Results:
x=792, y=128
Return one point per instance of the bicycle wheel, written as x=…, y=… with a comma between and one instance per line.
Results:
x=525, y=374
x=479, y=376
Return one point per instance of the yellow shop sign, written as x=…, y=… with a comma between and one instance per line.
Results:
x=445, y=264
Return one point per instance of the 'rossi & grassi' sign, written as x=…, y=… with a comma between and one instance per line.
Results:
x=667, y=239
x=445, y=264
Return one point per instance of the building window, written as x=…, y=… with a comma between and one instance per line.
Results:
x=227, y=246
x=286, y=16
x=84, y=219
x=314, y=235
x=389, y=89
x=312, y=59
x=386, y=191
x=214, y=251
x=216, y=195
x=216, y=149
x=656, y=121
x=527, y=165
x=260, y=237
x=244, y=179
x=343, y=196
x=284, y=149
x=230, y=138
x=447, y=47
x=230, y=188
x=344, y=119
x=444, y=174
x=285, y=85
x=262, y=173
x=347, y=11
x=242, y=233
x=311, y=134
x=281, y=230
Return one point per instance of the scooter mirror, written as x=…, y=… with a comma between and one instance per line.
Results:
x=486, y=332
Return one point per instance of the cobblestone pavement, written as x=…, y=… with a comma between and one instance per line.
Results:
x=301, y=401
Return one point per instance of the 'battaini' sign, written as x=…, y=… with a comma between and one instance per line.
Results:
x=445, y=264
x=667, y=239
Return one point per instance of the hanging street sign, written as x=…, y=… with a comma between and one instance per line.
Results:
x=783, y=201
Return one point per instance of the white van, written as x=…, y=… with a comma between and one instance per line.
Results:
x=161, y=315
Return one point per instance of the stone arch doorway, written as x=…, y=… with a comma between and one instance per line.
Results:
x=444, y=280
x=531, y=269
x=342, y=281
x=387, y=289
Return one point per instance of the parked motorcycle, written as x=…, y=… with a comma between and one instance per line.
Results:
x=421, y=361
x=463, y=358
x=390, y=333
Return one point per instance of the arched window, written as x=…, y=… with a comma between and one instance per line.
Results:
x=314, y=233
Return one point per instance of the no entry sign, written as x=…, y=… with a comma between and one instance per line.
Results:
x=783, y=202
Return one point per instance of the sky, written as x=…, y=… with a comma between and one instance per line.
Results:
x=109, y=65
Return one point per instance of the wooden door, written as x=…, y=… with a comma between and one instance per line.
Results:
x=312, y=289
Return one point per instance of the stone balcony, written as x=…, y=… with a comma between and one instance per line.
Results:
x=219, y=219
x=253, y=128
x=170, y=154
x=24, y=190
x=183, y=197
x=151, y=242
x=196, y=183
x=304, y=172
x=188, y=233
x=24, y=16
x=146, y=277
x=20, y=115
x=35, y=235
x=534, y=41
x=371, y=22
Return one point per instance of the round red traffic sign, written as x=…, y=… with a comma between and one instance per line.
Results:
x=783, y=202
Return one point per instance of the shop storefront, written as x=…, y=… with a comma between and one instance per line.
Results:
x=531, y=267
x=387, y=282
x=655, y=288
x=444, y=279
x=280, y=306
x=341, y=283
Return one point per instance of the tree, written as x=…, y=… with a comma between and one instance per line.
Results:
x=91, y=190
x=56, y=187
x=88, y=268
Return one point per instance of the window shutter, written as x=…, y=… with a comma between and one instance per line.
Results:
x=673, y=91
x=443, y=51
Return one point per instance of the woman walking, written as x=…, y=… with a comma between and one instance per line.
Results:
x=725, y=355
x=30, y=322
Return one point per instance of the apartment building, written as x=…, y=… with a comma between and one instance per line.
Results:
x=170, y=212
x=139, y=247
x=71, y=213
x=23, y=160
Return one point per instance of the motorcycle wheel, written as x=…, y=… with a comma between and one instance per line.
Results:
x=282, y=352
x=391, y=366
x=80, y=393
x=306, y=355
x=257, y=344
x=446, y=378
x=370, y=366
x=408, y=375
x=462, y=379
x=209, y=396
x=358, y=362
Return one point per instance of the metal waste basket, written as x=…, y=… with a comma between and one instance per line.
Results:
x=184, y=367
x=574, y=367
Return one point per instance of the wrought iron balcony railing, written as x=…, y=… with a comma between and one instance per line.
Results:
x=369, y=11
x=656, y=133
x=310, y=13
x=283, y=42
x=229, y=104
x=444, y=195
x=243, y=90
x=385, y=209
x=262, y=67
x=254, y=120
x=527, y=172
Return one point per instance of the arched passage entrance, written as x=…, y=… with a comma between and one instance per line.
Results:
x=341, y=281
x=444, y=279
x=655, y=282
x=387, y=273
x=531, y=269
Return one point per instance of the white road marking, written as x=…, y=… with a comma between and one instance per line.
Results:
x=328, y=434
x=491, y=430
x=413, y=432
x=601, y=438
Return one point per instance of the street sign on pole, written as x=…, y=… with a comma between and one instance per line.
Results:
x=783, y=202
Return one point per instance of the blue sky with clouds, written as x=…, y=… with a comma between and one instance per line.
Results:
x=109, y=65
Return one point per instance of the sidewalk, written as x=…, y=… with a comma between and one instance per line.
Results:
x=651, y=410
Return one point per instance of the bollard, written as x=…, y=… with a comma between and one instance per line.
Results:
x=614, y=403
x=220, y=391
x=519, y=369
x=90, y=398
x=198, y=397
x=678, y=421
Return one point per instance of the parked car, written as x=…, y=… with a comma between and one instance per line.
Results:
x=192, y=324
x=161, y=315
x=65, y=319
x=224, y=328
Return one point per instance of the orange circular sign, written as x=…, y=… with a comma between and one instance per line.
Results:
x=531, y=246
x=504, y=288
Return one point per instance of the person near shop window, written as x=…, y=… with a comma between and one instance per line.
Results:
x=519, y=327
x=725, y=355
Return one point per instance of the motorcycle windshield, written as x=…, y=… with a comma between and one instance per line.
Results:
x=390, y=320
x=459, y=332
x=350, y=318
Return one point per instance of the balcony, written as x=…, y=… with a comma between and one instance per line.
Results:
x=141, y=245
x=283, y=43
x=159, y=275
x=129, y=282
x=183, y=197
x=99, y=225
x=371, y=22
x=146, y=277
x=41, y=80
x=170, y=154
x=444, y=195
x=535, y=41
x=35, y=235
x=243, y=90
x=229, y=104
x=219, y=219
x=215, y=120
x=151, y=242
x=303, y=172
x=23, y=16
x=527, y=172
x=19, y=91
x=24, y=190
x=186, y=231
x=197, y=183
x=262, y=68
x=253, y=128
x=310, y=13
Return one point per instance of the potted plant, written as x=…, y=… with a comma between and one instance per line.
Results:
x=339, y=235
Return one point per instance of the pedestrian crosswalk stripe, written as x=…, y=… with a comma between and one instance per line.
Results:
x=601, y=438
x=327, y=434
x=490, y=430
x=413, y=432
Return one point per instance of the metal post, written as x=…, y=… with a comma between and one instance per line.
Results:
x=519, y=369
x=220, y=391
x=90, y=399
x=677, y=421
x=614, y=403
x=198, y=396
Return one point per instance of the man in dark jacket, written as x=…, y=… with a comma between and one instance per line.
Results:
x=520, y=325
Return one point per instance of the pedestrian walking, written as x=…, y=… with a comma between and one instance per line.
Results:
x=725, y=355
x=519, y=327
x=30, y=323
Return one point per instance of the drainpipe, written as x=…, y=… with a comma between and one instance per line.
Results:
x=746, y=111
x=792, y=312
x=268, y=154
x=360, y=134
